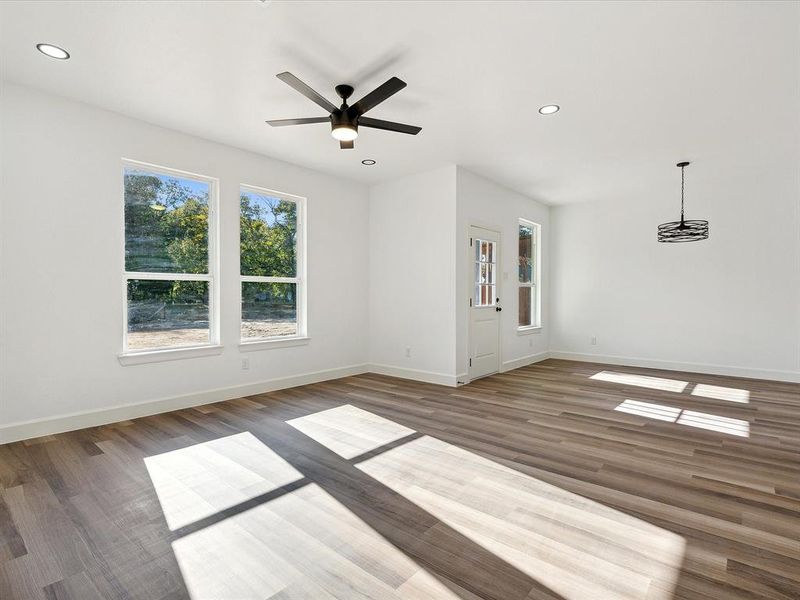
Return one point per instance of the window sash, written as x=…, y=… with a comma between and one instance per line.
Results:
x=533, y=313
x=532, y=307
x=300, y=307
x=213, y=259
x=300, y=267
x=213, y=304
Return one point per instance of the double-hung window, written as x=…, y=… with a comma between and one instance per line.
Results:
x=272, y=265
x=529, y=275
x=170, y=259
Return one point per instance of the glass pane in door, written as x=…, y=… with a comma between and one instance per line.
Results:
x=484, y=273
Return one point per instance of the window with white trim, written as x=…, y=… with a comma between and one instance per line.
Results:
x=529, y=275
x=170, y=258
x=272, y=265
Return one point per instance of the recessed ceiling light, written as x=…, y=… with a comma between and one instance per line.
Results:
x=368, y=161
x=549, y=109
x=53, y=51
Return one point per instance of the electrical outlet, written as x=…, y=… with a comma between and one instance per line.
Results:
x=246, y=363
x=594, y=341
x=408, y=352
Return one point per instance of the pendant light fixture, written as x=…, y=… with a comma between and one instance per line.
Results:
x=683, y=231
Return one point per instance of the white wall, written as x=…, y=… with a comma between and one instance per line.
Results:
x=412, y=232
x=419, y=284
x=62, y=253
x=730, y=304
x=484, y=203
x=386, y=270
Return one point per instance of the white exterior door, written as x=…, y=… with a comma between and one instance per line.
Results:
x=484, y=302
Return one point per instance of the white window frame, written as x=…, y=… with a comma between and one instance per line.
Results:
x=300, y=279
x=536, y=281
x=129, y=357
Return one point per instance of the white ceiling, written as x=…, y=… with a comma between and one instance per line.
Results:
x=641, y=85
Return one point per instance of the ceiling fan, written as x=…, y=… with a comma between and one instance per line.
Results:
x=345, y=120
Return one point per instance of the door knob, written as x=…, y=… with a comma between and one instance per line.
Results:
x=498, y=309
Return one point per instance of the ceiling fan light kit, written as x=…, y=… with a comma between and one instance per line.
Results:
x=343, y=127
x=344, y=132
x=683, y=230
x=345, y=120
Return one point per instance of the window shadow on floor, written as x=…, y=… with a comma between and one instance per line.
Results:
x=100, y=529
x=465, y=567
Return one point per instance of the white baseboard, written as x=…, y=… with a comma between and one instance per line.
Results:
x=30, y=429
x=773, y=375
x=524, y=361
x=24, y=430
x=415, y=374
x=450, y=380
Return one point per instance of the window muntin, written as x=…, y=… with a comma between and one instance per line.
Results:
x=528, y=275
x=271, y=260
x=484, y=284
x=169, y=280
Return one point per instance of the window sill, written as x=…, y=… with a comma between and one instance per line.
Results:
x=528, y=330
x=269, y=344
x=154, y=356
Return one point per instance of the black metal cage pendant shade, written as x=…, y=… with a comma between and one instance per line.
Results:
x=683, y=230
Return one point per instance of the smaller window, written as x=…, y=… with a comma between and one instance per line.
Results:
x=271, y=255
x=528, y=275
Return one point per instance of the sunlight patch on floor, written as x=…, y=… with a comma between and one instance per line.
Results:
x=649, y=410
x=717, y=392
x=303, y=544
x=576, y=547
x=655, y=383
x=572, y=545
x=201, y=480
x=715, y=423
x=350, y=431
x=691, y=418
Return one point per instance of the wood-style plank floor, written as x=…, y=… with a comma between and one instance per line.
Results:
x=561, y=480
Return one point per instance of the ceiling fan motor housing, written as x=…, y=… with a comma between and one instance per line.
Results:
x=340, y=118
x=343, y=118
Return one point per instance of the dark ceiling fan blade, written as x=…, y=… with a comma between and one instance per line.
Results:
x=389, y=125
x=304, y=89
x=378, y=95
x=285, y=122
x=346, y=145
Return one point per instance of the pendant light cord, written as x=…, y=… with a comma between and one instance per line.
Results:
x=682, y=170
x=683, y=230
